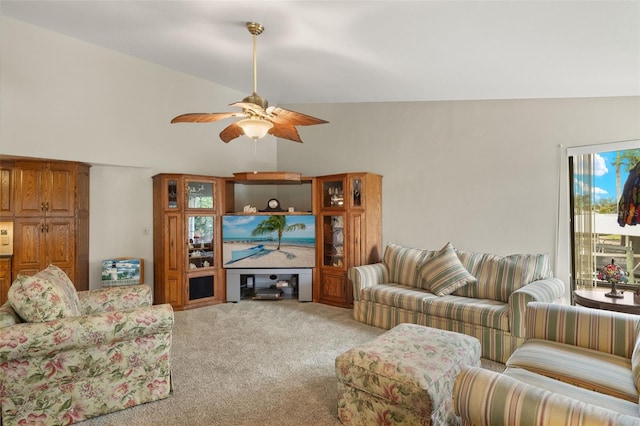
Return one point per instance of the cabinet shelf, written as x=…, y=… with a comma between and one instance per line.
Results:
x=203, y=256
x=266, y=178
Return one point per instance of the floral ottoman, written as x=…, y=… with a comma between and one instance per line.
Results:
x=404, y=376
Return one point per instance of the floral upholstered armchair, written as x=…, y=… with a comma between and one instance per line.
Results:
x=67, y=356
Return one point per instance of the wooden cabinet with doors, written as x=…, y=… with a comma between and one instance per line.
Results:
x=349, y=231
x=51, y=218
x=186, y=240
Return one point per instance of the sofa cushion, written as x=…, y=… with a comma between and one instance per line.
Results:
x=479, y=312
x=45, y=296
x=518, y=270
x=586, y=368
x=443, y=273
x=581, y=394
x=403, y=264
x=397, y=295
x=499, y=276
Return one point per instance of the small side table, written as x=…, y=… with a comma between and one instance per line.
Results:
x=595, y=298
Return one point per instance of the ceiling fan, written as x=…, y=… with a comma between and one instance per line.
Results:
x=260, y=118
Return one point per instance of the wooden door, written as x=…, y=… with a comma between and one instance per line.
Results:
x=59, y=241
x=174, y=288
x=39, y=243
x=6, y=190
x=5, y=278
x=29, y=249
x=45, y=189
x=355, y=247
x=60, y=182
x=30, y=188
x=333, y=288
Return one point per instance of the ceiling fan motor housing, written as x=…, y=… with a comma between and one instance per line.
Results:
x=257, y=100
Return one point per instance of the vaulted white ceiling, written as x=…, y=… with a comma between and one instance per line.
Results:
x=370, y=51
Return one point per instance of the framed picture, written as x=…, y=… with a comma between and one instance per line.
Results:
x=122, y=271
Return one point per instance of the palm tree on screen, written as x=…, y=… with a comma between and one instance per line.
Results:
x=276, y=224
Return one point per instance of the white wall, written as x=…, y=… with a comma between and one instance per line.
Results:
x=481, y=174
x=66, y=99
x=126, y=228
x=484, y=175
x=62, y=98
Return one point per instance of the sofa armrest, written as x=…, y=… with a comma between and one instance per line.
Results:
x=116, y=298
x=604, y=331
x=546, y=290
x=27, y=340
x=483, y=397
x=366, y=276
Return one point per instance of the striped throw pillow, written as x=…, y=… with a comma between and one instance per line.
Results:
x=403, y=264
x=444, y=273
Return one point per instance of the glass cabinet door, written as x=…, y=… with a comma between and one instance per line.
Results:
x=200, y=241
x=172, y=193
x=333, y=193
x=356, y=192
x=200, y=195
x=333, y=240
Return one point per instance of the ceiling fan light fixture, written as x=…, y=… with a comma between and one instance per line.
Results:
x=254, y=127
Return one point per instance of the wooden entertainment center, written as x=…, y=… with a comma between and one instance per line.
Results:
x=188, y=240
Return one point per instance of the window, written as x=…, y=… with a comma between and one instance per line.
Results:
x=599, y=177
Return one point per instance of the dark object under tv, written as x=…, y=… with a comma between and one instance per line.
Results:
x=268, y=293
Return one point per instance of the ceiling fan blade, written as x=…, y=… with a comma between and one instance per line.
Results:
x=202, y=117
x=281, y=115
x=285, y=131
x=231, y=132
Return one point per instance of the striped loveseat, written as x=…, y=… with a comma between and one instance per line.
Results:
x=479, y=294
x=577, y=366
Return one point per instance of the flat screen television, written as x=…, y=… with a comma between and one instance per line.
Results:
x=268, y=241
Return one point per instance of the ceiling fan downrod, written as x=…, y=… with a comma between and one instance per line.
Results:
x=255, y=29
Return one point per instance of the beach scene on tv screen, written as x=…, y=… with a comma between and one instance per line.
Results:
x=268, y=241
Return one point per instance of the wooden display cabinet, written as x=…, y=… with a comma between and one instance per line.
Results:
x=188, y=271
x=186, y=240
x=50, y=211
x=349, y=231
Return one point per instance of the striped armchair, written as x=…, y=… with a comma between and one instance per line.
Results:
x=479, y=294
x=577, y=366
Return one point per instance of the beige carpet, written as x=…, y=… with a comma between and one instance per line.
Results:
x=253, y=363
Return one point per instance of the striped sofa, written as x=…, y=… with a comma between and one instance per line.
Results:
x=479, y=294
x=577, y=366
